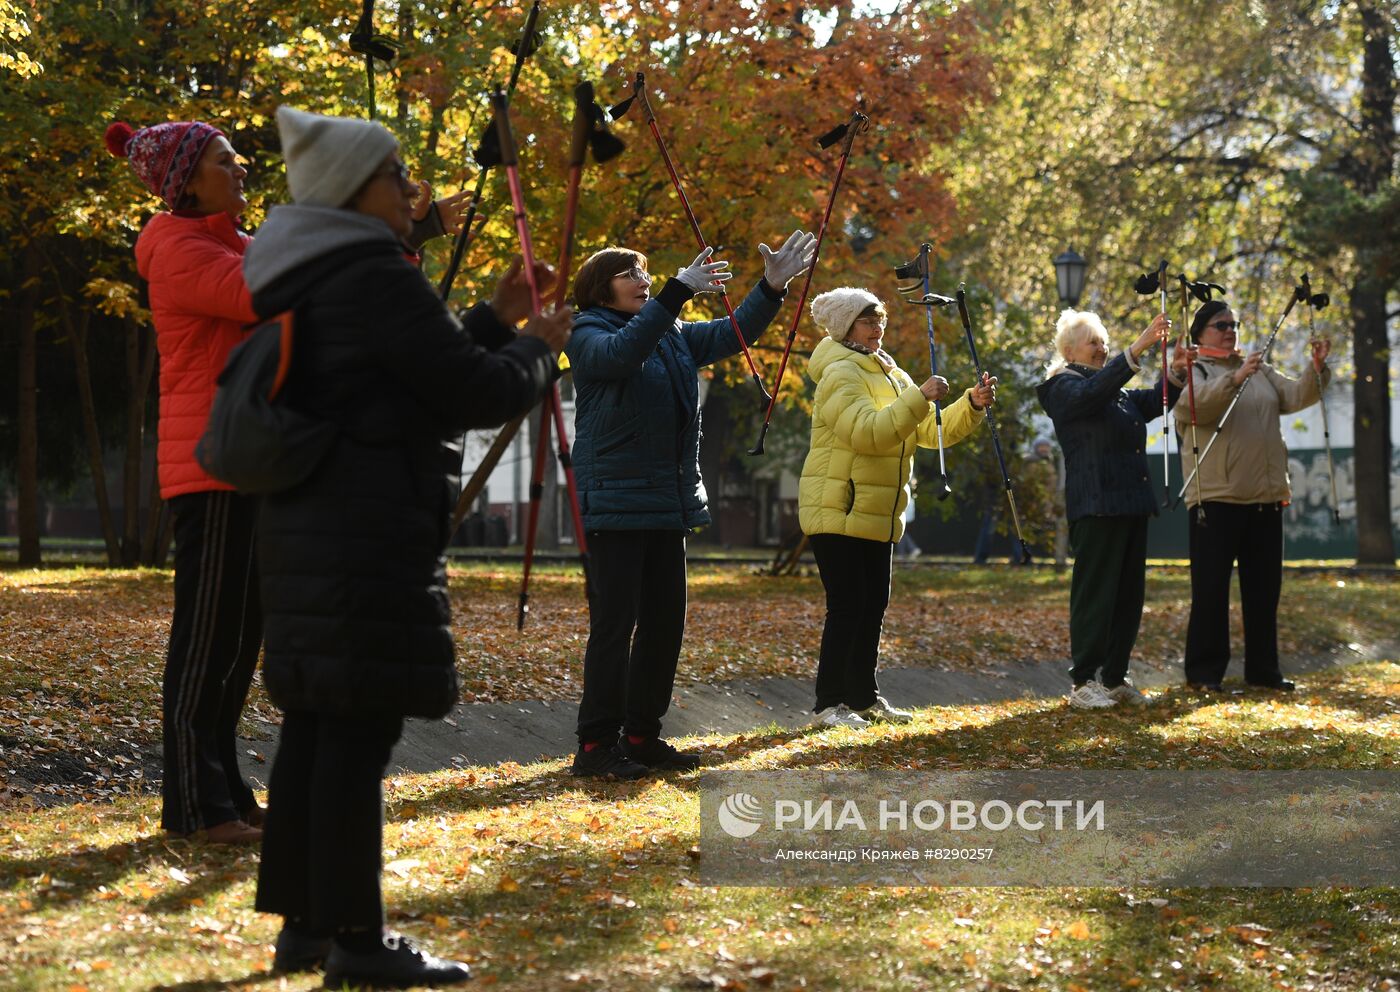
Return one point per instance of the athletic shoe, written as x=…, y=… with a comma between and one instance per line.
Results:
x=1126, y=693
x=607, y=761
x=395, y=964
x=1282, y=685
x=1090, y=696
x=658, y=755
x=882, y=712
x=838, y=716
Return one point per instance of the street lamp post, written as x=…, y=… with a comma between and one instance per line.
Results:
x=1069, y=281
x=1069, y=276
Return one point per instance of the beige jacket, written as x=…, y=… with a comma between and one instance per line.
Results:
x=1249, y=462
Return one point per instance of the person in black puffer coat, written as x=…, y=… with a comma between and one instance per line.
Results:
x=1102, y=429
x=354, y=580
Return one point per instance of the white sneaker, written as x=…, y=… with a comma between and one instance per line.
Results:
x=1090, y=696
x=838, y=716
x=1126, y=693
x=883, y=712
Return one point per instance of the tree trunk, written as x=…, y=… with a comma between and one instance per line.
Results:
x=77, y=342
x=27, y=462
x=140, y=369
x=1376, y=274
x=1375, y=543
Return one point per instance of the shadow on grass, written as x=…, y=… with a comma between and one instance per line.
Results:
x=81, y=873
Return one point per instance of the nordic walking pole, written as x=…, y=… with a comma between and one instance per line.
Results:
x=1269, y=343
x=992, y=425
x=1185, y=342
x=486, y=153
x=372, y=46
x=919, y=268
x=1147, y=284
x=1166, y=415
x=858, y=123
x=510, y=161
x=588, y=133
x=639, y=89
x=1317, y=301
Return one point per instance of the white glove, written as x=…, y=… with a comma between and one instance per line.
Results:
x=704, y=276
x=792, y=259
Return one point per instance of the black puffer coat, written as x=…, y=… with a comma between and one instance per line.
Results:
x=353, y=578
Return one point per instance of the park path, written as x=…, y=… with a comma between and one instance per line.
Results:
x=526, y=731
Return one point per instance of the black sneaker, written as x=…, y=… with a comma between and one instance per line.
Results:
x=395, y=964
x=299, y=951
x=655, y=753
x=607, y=761
x=1282, y=685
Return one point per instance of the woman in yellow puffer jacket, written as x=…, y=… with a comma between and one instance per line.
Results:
x=867, y=419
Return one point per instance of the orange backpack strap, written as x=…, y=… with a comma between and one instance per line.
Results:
x=284, y=357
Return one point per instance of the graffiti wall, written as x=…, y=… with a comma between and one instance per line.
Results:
x=1308, y=527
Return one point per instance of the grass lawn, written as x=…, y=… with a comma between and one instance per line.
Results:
x=91, y=641
x=546, y=884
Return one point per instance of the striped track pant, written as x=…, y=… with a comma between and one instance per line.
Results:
x=215, y=636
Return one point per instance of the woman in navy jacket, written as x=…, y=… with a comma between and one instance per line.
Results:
x=637, y=464
x=1102, y=429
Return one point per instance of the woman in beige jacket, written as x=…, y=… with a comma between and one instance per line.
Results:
x=1237, y=510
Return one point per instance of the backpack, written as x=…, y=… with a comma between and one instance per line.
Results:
x=252, y=442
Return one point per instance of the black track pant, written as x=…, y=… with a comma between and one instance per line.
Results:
x=636, y=619
x=215, y=636
x=1105, y=596
x=856, y=576
x=323, y=840
x=1252, y=534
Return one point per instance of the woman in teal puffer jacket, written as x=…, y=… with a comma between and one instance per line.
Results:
x=637, y=463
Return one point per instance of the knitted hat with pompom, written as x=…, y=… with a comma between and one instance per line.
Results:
x=163, y=156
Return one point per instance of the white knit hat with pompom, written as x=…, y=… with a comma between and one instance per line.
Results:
x=837, y=310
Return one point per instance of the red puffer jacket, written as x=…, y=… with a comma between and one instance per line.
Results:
x=200, y=306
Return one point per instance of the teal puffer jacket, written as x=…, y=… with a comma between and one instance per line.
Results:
x=637, y=407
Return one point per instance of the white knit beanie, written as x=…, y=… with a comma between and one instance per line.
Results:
x=330, y=158
x=837, y=310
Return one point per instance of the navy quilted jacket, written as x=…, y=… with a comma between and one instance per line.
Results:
x=637, y=407
x=1102, y=429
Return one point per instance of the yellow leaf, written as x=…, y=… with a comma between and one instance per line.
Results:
x=507, y=884
x=1079, y=930
x=970, y=959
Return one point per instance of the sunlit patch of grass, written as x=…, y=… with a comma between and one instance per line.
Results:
x=545, y=882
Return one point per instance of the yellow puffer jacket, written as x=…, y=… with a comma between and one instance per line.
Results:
x=867, y=420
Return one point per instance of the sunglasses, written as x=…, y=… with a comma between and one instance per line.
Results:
x=1224, y=325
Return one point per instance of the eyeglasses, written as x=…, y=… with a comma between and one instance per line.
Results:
x=398, y=171
x=1224, y=325
x=879, y=322
x=637, y=274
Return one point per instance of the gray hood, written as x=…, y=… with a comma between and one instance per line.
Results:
x=293, y=235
